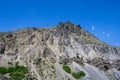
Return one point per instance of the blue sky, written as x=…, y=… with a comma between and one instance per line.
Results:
x=100, y=17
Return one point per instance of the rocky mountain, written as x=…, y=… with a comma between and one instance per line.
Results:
x=63, y=52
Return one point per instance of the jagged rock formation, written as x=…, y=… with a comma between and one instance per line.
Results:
x=45, y=51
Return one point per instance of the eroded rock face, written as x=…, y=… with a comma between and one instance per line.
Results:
x=2, y=48
x=116, y=64
x=45, y=51
x=37, y=61
x=65, y=60
x=48, y=53
x=101, y=63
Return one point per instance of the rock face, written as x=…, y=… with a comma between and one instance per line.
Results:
x=45, y=51
x=2, y=48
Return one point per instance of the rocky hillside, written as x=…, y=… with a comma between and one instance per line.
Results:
x=63, y=52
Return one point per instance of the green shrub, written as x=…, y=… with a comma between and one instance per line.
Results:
x=17, y=76
x=67, y=69
x=11, y=69
x=78, y=75
x=21, y=69
x=16, y=73
x=3, y=70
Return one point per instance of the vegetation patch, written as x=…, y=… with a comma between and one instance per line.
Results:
x=3, y=70
x=16, y=73
x=67, y=69
x=78, y=75
x=17, y=76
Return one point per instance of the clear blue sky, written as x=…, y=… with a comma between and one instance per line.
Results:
x=100, y=17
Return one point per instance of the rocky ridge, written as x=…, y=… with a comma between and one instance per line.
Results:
x=44, y=51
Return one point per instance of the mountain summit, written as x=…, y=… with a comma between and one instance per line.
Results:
x=63, y=52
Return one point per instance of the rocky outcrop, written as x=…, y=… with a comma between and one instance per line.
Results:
x=48, y=53
x=2, y=48
x=116, y=64
x=101, y=63
x=4, y=77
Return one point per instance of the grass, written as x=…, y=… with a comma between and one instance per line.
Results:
x=16, y=73
x=67, y=69
x=78, y=75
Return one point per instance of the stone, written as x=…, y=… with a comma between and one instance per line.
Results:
x=2, y=48
x=47, y=53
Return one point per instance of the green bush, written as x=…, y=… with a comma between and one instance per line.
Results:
x=11, y=69
x=21, y=69
x=78, y=75
x=3, y=70
x=16, y=73
x=67, y=69
x=17, y=76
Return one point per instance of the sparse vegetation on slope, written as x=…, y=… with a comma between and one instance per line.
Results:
x=16, y=73
x=77, y=75
x=93, y=40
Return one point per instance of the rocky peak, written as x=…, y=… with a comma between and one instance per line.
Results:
x=68, y=28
